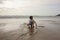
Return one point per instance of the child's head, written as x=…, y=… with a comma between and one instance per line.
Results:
x=31, y=17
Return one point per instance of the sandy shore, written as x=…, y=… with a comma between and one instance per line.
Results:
x=14, y=29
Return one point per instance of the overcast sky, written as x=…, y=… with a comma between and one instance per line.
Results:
x=30, y=7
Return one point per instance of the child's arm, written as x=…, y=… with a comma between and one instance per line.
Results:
x=35, y=23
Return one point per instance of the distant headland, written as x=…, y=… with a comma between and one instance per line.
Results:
x=58, y=15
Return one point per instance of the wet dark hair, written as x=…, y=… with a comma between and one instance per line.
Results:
x=31, y=17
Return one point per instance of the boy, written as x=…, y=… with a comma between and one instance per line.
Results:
x=31, y=22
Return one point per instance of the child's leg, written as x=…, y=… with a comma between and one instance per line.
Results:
x=32, y=26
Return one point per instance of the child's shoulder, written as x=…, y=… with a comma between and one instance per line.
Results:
x=31, y=20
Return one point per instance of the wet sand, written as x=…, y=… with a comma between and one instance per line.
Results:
x=14, y=29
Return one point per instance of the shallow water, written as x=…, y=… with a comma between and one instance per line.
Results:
x=15, y=29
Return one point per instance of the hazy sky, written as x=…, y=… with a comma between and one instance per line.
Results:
x=30, y=7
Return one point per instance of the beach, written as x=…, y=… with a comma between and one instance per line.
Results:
x=15, y=29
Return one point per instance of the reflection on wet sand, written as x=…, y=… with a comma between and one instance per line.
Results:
x=31, y=31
